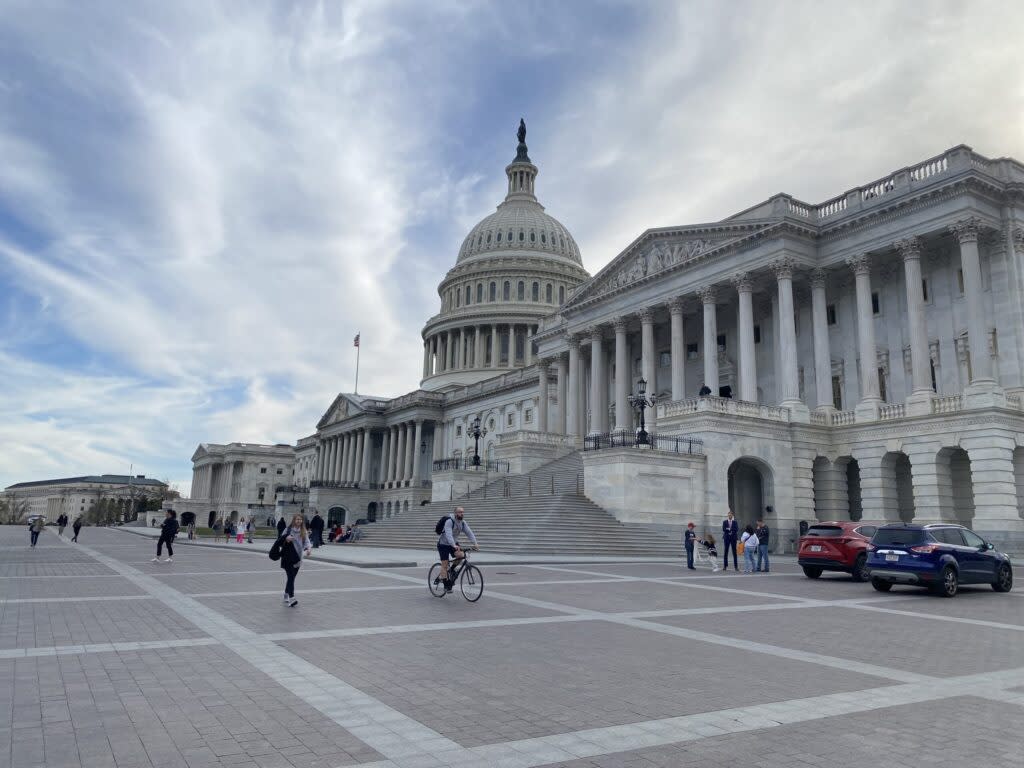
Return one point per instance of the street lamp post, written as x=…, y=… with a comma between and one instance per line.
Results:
x=642, y=402
x=477, y=434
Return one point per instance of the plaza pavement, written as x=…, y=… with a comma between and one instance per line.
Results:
x=108, y=660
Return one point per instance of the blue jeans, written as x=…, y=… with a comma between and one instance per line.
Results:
x=748, y=559
x=762, y=555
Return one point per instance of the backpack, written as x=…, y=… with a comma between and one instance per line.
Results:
x=275, y=549
x=439, y=528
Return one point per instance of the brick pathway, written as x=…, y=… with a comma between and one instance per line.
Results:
x=110, y=661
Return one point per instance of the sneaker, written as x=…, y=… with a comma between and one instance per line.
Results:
x=155, y=560
x=292, y=603
x=168, y=560
x=285, y=600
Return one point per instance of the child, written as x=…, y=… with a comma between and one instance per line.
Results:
x=708, y=545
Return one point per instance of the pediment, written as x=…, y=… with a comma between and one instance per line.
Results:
x=342, y=408
x=653, y=253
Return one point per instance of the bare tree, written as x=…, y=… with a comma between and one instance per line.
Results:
x=13, y=510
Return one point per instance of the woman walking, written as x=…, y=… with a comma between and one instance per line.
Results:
x=76, y=527
x=35, y=528
x=296, y=545
x=750, y=543
x=168, y=531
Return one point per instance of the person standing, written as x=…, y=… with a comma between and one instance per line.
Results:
x=281, y=525
x=730, y=534
x=62, y=523
x=749, y=540
x=295, y=546
x=34, y=529
x=76, y=527
x=168, y=530
x=191, y=529
x=229, y=531
x=689, y=538
x=316, y=529
x=240, y=530
x=250, y=529
x=763, y=537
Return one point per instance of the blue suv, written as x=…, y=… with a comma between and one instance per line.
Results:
x=940, y=557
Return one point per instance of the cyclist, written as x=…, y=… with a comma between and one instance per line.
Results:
x=448, y=544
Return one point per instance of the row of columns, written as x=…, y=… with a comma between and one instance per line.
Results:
x=344, y=458
x=573, y=417
x=400, y=453
x=466, y=348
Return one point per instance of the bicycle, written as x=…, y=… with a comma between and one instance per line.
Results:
x=471, y=580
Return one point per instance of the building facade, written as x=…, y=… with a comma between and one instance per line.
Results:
x=862, y=357
x=74, y=496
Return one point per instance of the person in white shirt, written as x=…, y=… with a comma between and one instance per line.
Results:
x=750, y=545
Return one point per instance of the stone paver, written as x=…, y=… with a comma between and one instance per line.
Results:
x=110, y=661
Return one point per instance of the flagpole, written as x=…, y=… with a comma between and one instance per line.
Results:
x=357, y=366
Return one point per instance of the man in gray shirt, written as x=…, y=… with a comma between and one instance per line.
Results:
x=448, y=544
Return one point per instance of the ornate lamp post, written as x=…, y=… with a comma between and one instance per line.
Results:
x=641, y=402
x=477, y=434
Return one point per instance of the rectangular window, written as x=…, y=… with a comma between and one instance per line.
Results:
x=692, y=351
x=924, y=290
x=881, y=386
x=830, y=314
x=280, y=471
x=757, y=334
x=935, y=384
x=837, y=393
x=875, y=304
x=960, y=281
x=720, y=341
x=263, y=470
x=665, y=359
x=511, y=419
x=528, y=415
x=458, y=430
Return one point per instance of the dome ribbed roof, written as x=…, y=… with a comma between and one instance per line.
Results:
x=520, y=225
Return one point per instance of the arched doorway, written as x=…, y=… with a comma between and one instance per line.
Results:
x=371, y=511
x=897, y=487
x=211, y=519
x=336, y=516
x=750, y=489
x=956, y=488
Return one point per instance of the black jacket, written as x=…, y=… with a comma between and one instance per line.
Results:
x=169, y=529
x=317, y=523
x=730, y=529
x=281, y=525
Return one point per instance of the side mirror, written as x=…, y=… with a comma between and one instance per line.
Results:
x=988, y=546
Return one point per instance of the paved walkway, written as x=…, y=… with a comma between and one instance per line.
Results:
x=108, y=660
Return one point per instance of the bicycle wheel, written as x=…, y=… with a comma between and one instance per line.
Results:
x=471, y=583
x=437, y=590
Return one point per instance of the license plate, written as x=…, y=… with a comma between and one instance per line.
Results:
x=892, y=558
x=815, y=548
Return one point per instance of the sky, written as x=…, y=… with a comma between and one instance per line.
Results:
x=201, y=203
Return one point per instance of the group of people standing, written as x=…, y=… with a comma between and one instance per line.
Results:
x=38, y=523
x=755, y=540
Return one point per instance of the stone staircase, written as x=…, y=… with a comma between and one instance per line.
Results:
x=538, y=513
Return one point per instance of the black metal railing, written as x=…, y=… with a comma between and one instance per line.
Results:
x=466, y=462
x=622, y=439
x=331, y=484
x=551, y=484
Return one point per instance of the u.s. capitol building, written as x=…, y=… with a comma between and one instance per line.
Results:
x=864, y=355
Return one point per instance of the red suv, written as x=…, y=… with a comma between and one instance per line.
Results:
x=836, y=546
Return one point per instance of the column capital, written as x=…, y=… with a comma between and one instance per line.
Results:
x=596, y=332
x=860, y=263
x=1018, y=238
x=966, y=230
x=909, y=248
x=543, y=363
x=676, y=306
x=783, y=268
x=818, y=278
x=620, y=324
x=573, y=340
x=646, y=315
x=707, y=294
x=742, y=282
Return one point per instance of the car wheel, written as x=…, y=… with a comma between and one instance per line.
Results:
x=860, y=568
x=1004, y=579
x=811, y=572
x=881, y=586
x=949, y=583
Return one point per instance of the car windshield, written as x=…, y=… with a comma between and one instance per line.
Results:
x=824, y=530
x=898, y=536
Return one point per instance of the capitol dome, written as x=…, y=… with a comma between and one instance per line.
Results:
x=515, y=267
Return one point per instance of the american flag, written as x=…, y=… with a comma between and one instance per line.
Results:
x=355, y=341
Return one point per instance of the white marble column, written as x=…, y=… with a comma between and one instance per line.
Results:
x=966, y=232
x=649, y=363
x=822, y=353
x=478, y=347
x=416, y=452
x=745, y=325
x=345, y=462
x=562, y=369
x=783, y=269
x=597, y=383
x=357, y=466
x=400, y=467
x=426, y=357
x=919, y=402
x=543, y=366
x=572, y=398
x=495, y=346
x=364, y=472
x=675, y=310
x=708, y=296
x=393, y=457
x=332, y=469
x=528, y=344
x=412, y=448
x=870, y=401
x=319, y=473
x=622, y=410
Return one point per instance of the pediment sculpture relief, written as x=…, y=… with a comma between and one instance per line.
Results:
x=658, y=257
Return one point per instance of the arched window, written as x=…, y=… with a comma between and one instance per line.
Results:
x=488, y=238
x=521, y=291
x=561, y=242
x=535, y=292
x=533, y=237
x=547, y=293
x=510, y=237
x=561, y=294
x=469, y=294
x=494, y=292
x=506, y=291
x=543, y=237
x=522, y=236
x=499, y=237
x=479, y=293
x=458, y=298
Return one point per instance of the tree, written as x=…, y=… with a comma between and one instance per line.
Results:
x=13, y=510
